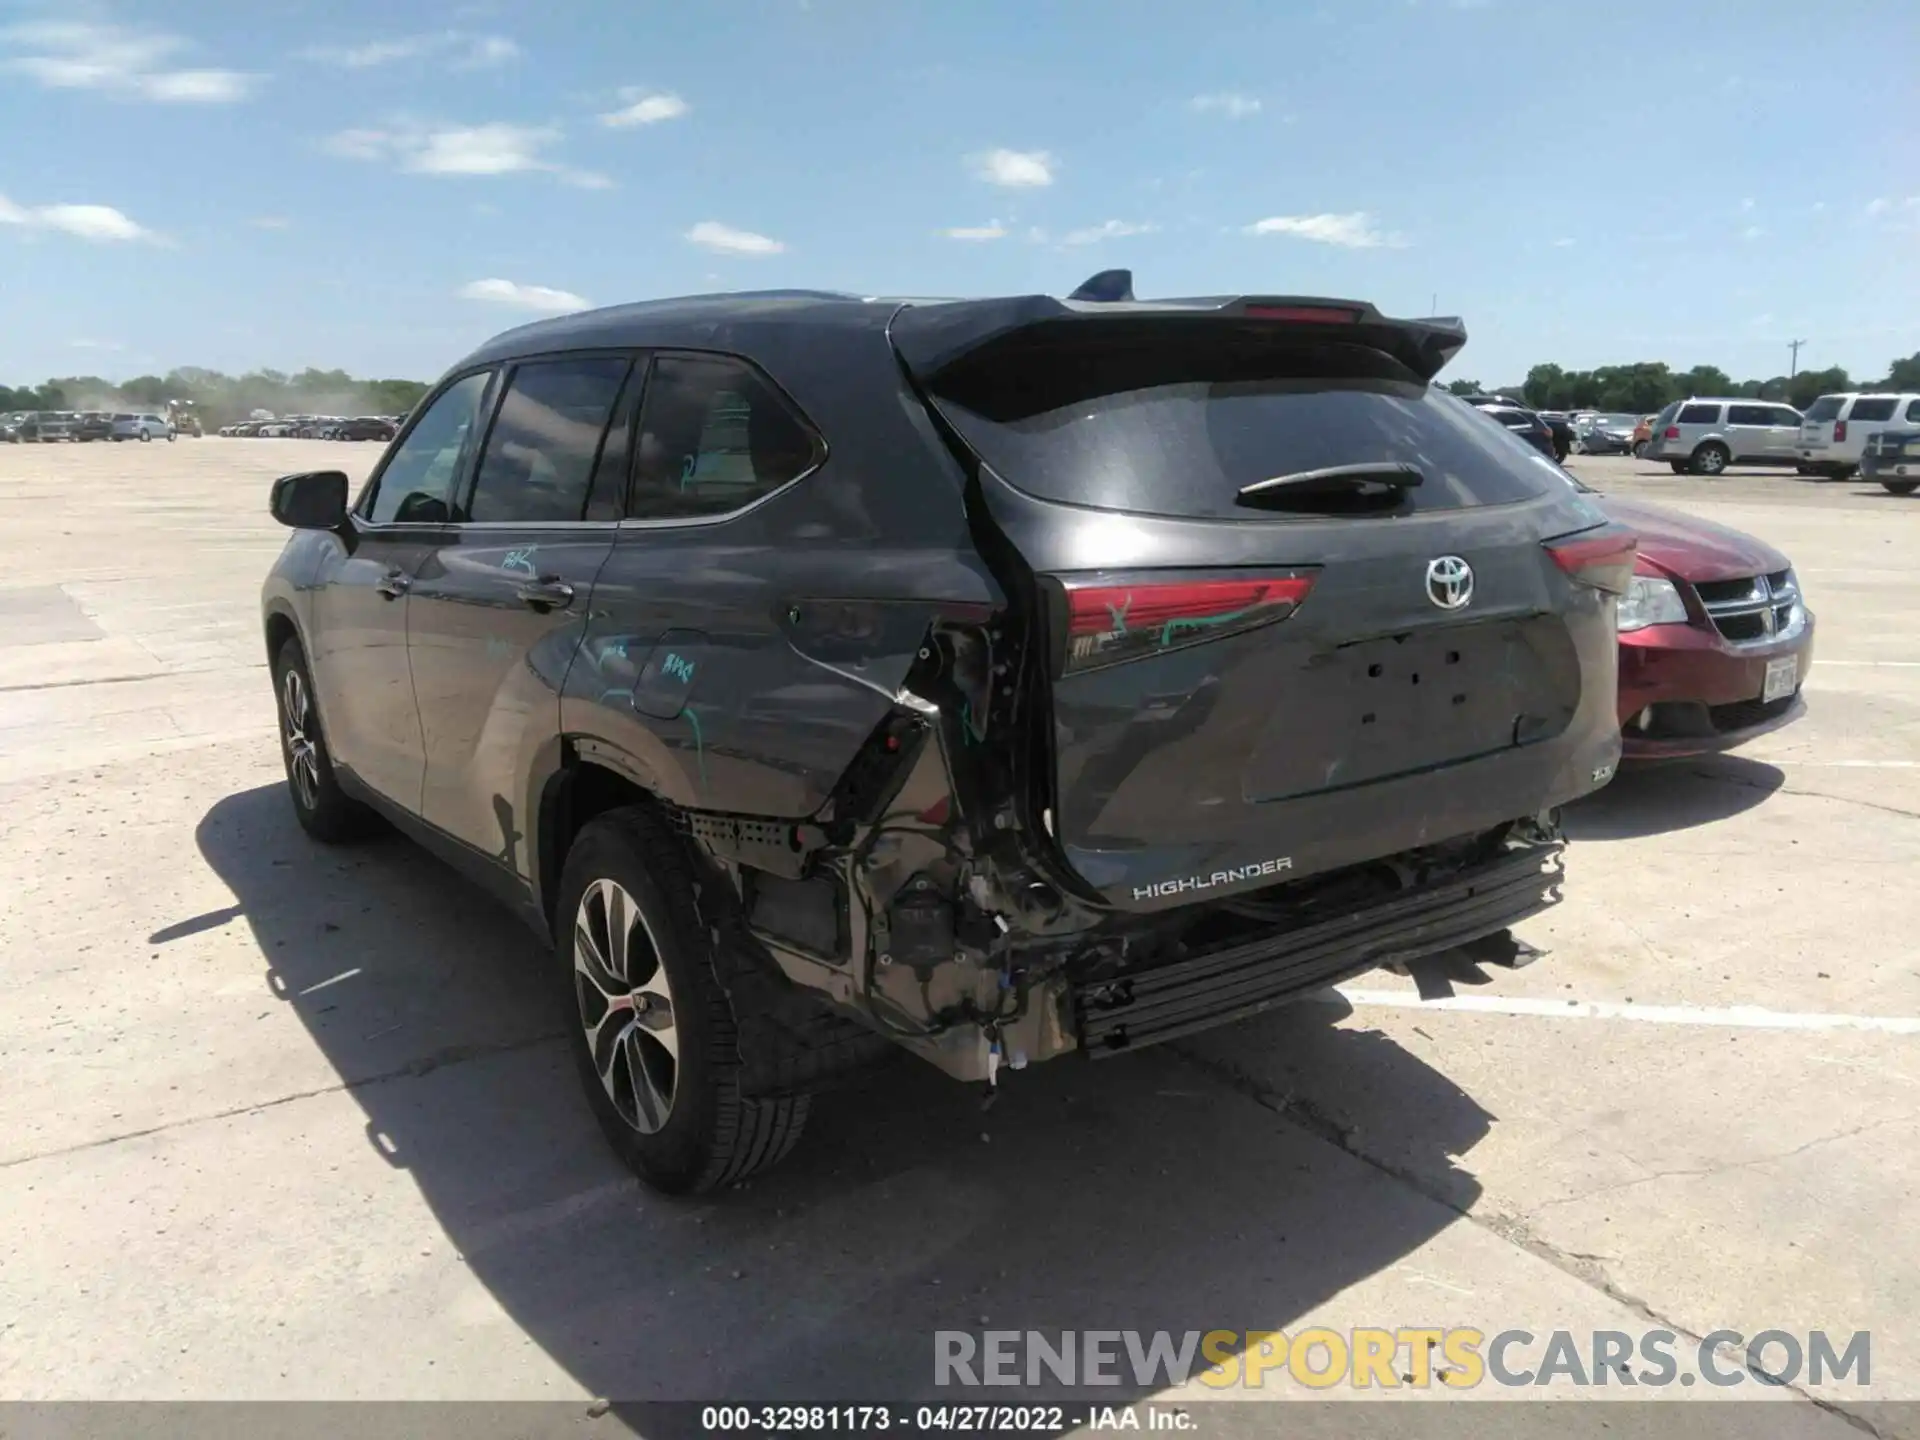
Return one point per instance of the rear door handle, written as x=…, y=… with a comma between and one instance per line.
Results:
x=393, y=584
x=546, y=593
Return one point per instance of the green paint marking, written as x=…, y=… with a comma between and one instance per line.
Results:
x=699, y=744
x=1174, y=627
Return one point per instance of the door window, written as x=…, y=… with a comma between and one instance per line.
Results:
x=417, y=483
x=1749, y=415
x=714, y=436
x=1784, y=416
x=538, y=463
x=1700, y=415
x=1874, y=408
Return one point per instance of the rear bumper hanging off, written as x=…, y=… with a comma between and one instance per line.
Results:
x=1211, y=989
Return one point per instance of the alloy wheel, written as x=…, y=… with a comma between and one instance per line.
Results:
x=625, y=1005
x=303, y=759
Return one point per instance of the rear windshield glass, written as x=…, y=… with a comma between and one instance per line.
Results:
x=1827, y=407
x=1881, y=409
x=1171, y=420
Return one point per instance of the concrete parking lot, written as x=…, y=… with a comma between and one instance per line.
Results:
x=278, y=1121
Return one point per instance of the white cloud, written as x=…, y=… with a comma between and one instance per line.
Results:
x=645, y=108
x=270, y=222
x=1355, y=230
x=462, y=49
x=1746, y=204
x=1107, y=230
x=1015, y=169
x=86, y=222
x=1234, y=107
x=116, y=60
x=725, y=240
x=543, y=298
x=1752, y=232
x=497, y=148
x=992, y=230
x=1563, y=243
x=110, y=345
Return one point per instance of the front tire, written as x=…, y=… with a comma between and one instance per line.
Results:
x=1679, y=466
x=1900, y=487
x=324, y=810
x=650, y=1026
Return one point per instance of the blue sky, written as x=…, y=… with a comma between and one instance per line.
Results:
x=381, y=186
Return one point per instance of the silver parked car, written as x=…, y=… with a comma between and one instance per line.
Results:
x=1605, y=434
x=142, y=427
x=1706, y=436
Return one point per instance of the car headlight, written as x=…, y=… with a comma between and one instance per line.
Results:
x=1651, y=600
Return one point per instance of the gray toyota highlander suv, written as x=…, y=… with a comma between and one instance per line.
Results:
x=996, y=679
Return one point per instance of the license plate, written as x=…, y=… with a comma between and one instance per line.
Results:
x=1782, y=676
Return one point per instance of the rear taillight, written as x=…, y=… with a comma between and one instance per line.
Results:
x=1601, y=558
x=1839, y=430
x=1109, y=620
x=1672, y=432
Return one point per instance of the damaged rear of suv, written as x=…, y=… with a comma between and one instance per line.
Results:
x=997, y=679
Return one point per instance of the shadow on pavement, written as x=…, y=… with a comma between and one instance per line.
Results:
x=1144, y=1192
x=1653, y=799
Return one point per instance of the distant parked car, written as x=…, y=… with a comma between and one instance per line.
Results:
x=46, y=426
x=1893, y=458
x=1833, y=436
x=142, y=427
x=1705, y=436
x=93, y=425
x=1562, y=430
x=1643, y=434
x=1520, y=420
x=364, y=427
x=1608, y=435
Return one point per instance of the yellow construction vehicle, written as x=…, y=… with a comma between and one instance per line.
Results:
x=185, y=419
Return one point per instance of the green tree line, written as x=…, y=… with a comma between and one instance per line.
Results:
x=223, y=399
x=1645, y=387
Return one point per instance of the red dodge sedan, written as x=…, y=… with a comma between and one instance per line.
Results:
x=1715, y=639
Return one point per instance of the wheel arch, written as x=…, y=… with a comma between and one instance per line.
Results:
x=585, y=781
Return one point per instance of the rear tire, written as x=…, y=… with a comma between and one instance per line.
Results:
x=1711, y=459
x=1639, y=449
x=1900, y=487
x=664, y=1080
x=1679, y=466
x=324, y=810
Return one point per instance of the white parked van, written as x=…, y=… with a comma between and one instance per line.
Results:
x=1835, y=429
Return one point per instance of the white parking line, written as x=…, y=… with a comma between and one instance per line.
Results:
x=1877, y=664
x=1737, y=1017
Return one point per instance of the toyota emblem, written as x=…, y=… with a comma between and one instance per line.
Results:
x=1449, y=582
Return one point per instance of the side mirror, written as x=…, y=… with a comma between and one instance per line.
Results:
x=313, y=500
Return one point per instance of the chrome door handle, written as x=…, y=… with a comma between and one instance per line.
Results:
x=547, y=593
x=394, y=584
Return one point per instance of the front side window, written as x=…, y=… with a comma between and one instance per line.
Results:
x=416, y=485
x=1783, y=416
x=1700, y=415
x=714, y=436
x=540, y=452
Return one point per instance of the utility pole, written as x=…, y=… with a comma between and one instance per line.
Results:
x=1793, y=368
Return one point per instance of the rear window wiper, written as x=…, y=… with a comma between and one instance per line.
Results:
x=1372, y=483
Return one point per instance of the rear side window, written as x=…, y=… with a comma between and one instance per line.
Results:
x=1875, y=408
x=1665, y=417
x=714, y=436
x=1750, y=415
x=1827, y=407
x=1172, y=419
x=1699, y=414
x=545, y=437
x=1913, y=410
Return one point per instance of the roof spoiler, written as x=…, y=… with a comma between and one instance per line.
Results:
x=931, y=337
